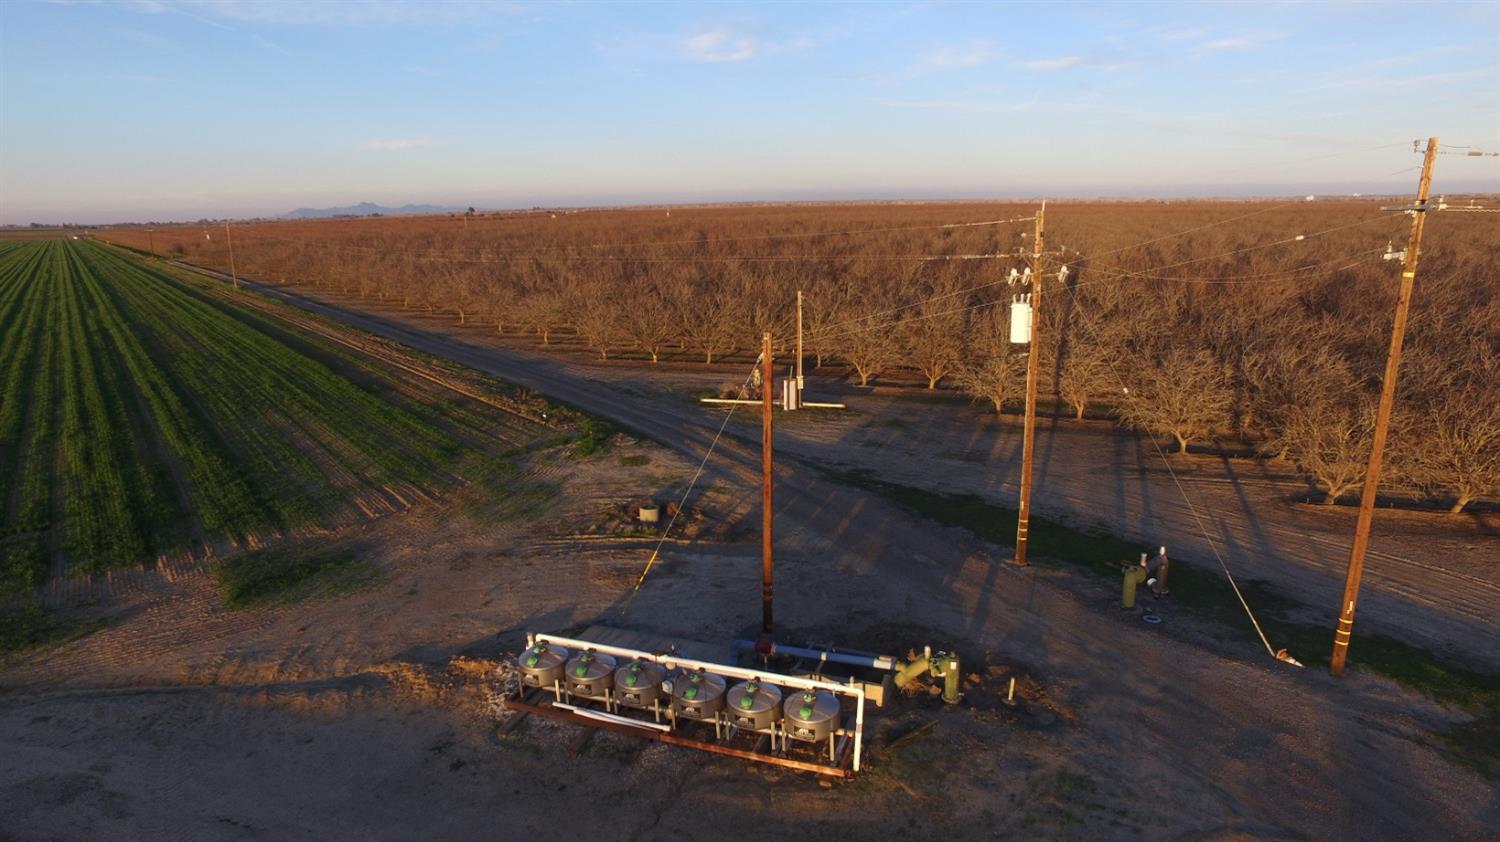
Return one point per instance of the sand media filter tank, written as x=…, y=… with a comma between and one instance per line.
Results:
x=753, y=705
x=638, y=683
x=811, y=715
x=698, y=695
x=542, y=665
x=590, y=675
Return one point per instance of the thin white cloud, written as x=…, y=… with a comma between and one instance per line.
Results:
x=1029, y=106
x=396, y=144
x=1247, y=41
x=1108, y=62
x=952, y=57
x=269, y=45
x=339, y=13
x=149, y=40
x=1059, y=63
x=1180, y=35
x=149, y=7
x=146, y=78
x=720, y=45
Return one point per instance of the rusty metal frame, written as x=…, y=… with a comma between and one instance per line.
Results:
x=538, y=702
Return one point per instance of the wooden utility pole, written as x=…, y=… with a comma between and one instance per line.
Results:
x=151, y=238
x=799, y=345
x=766, y=382
x=233, y=275
x=1028, y=437
x=1382, y=416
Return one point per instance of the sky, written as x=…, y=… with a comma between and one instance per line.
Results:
x=180, y=109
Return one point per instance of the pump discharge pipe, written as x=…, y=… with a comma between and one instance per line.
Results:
x=1135, y=574
x=938, y=665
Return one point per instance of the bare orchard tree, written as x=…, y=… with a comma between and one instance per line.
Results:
x=1326, y=425
x=499, y=299
x=933, y=334
x=540, y=301
x=707, y=321
x=825, y=307
x=596, y=313
x=648, y=320
x=1090, y=367
x=462, y=288
x=867, y=345
x=1181, y=393
x=1452, y=446
x=1457, y=451
x=541, y=310
x=992, y=368
x=1330, y=442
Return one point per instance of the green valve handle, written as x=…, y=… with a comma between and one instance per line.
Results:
x=747, y=701
x=632, y=678
x=582, y=669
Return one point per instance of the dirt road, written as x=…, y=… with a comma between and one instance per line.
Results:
x=1430, y=580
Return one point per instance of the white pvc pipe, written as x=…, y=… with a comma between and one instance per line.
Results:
x=673, y=661
x=736, y=401
x=610, y=717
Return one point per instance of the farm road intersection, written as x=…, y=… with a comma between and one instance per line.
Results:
x=1436, y=584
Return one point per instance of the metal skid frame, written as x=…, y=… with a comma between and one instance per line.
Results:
x=845, y=747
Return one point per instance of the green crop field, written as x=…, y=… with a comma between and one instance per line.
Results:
x=144, y=412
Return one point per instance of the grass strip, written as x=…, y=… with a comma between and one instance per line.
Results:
x=290, y=574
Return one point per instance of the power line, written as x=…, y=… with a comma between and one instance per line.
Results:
x=682, y=504
x=1122, y=272
x=1193, y=510
x=1258, y=278
x=1238, y=278
x=807, y=235
x=713, y=241
x=754, y=258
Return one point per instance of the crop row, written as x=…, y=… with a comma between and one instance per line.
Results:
x=140, y=413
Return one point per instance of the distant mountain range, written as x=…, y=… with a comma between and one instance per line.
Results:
x=368, y=208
